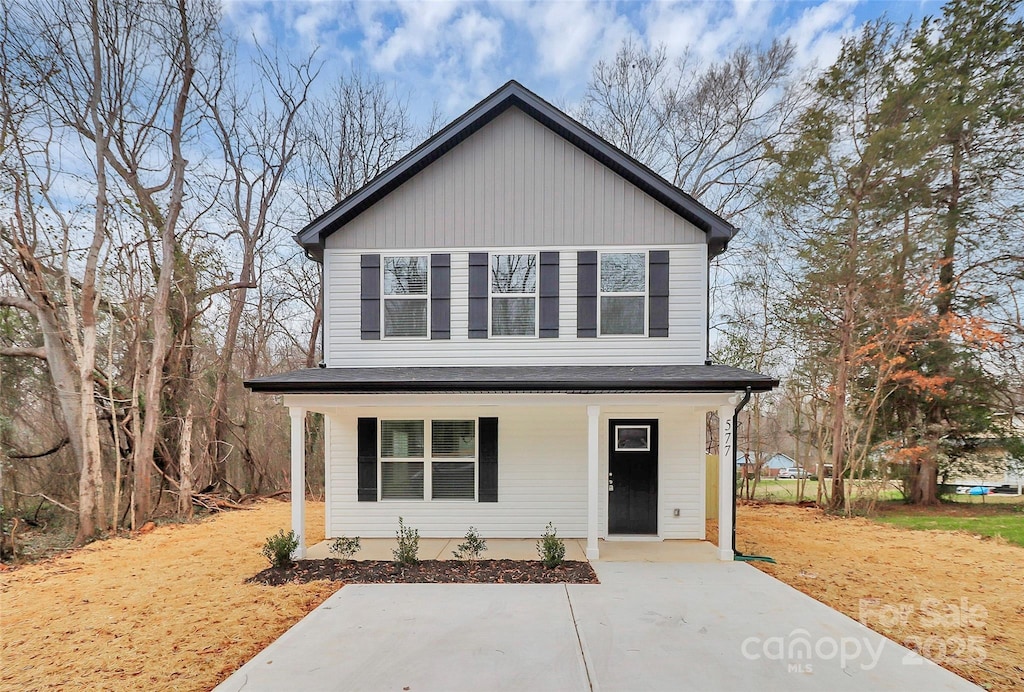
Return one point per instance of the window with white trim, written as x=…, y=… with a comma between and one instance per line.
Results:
x=623, y=293
x=514, y=295
x=449, y=471
x=405, y=296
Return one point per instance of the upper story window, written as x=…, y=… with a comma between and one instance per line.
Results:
x=514, y=295
x=405, y=296
x=623, y=293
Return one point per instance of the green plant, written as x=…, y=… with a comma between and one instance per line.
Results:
x=279, y=548
x=472, y=548
x=551, y=548
x=408, y=544
x=345, y=547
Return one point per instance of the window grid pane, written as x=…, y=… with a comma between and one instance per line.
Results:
x=452, y=438
x=453, y=480
x=513, y=316
x=401, y=439
x=622, y=315
x=405, y=276
x=514, y=274
x=623, y=272
x=405, y=317
x=401, y=480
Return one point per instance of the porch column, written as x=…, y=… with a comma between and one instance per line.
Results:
x=593, y=482
x=299, y=479
x=726, y=480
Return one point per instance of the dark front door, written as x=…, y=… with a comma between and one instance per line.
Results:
x=633, y=476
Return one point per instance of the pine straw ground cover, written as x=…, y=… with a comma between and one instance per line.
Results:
x=171, y=609
x=940, y=592
x=167, y=610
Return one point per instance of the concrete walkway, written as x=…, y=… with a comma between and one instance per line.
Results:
x=647, y=626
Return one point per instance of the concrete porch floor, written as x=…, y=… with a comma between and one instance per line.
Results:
x=526, y=549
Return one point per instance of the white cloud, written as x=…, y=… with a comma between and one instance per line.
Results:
x=818, y=32
x=251, y=23
x=568, y=36
x=707, y=30
x=480, y=37
x=420, y=33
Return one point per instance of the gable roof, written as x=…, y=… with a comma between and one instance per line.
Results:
x=718, y=231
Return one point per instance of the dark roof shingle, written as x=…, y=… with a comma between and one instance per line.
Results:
x=516, y=378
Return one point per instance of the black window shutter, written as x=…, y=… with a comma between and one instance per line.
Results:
x=487, y=490
x=658, y=309
x=369, y=297
x=440, y=296
x=366, y=447
x=478, y=295
x=586, y=294
x=549, y=295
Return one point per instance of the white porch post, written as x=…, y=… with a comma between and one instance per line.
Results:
x=299, y=479
x=726, y=480
x=593, y=482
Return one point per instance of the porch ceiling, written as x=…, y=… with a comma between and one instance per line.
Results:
x=479, y=379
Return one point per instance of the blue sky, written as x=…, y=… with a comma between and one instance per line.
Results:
x=453, y=53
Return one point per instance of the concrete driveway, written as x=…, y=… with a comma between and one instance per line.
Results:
x=647, y=626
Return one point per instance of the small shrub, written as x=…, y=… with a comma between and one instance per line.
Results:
x=551, y=548
x=279, y=548
x=406, y=553
x=345, y=548
x=472, y=548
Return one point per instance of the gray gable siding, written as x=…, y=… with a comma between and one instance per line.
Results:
x=513, y=183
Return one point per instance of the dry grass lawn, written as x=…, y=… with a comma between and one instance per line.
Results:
x=884, y=575
x=168, y=610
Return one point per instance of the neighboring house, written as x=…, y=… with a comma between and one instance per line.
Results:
x=769, y=468
x=515, y=333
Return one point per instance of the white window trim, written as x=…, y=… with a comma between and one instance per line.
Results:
x=428, y=460
x=425, y=297
x=645, y=294
x=491, y=295
x=632, y=449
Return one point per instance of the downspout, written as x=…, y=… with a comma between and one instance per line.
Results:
x=737, y=555
x=323, y=320
x=707, y=317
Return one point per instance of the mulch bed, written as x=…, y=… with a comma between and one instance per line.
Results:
x=429, y=572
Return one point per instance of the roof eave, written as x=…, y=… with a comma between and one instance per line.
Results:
x=526, y=387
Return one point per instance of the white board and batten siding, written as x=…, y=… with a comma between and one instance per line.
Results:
x=542, y=475
x=515, y=183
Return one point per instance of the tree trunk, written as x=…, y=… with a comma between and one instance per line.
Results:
x=219, y=407
x=161, y=320
x=185, y=466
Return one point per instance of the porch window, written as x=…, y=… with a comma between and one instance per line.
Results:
x=623, y=293
x=514, y=295
x=402, y=459
x=405, y=296
x=406, y=469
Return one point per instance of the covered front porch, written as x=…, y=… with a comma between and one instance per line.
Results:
x=608, y=455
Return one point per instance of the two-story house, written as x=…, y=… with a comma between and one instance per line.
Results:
x=515, y=333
